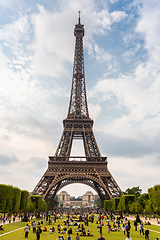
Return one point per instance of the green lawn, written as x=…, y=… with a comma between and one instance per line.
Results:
x=19, y=234
x=12, y=226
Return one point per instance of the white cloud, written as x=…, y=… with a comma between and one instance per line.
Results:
x=114, y=1
x=129, y=54
x=54, y=41
x=53, y=44
x=139, y=172
x=7, y=160
x=6, y=3
x=149, y=24
x=94, y=111
x=15, y=34
x=117, y=16
x=137, y=93
x=101, y=54
x=102, y=21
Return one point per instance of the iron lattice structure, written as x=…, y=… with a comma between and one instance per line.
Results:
x=62, y=168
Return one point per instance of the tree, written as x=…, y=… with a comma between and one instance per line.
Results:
x=136, y=207
x=133, y=191
x=30, y=206
x=24, y=200
x=3, y=197
x=11, y=199
x=154, y=195
x=98, y=203
x=108, y=206
x=10, y=195
x=115, y=202
x=54, y=203
x=148, y=206
x=43, y=206
x=37, y=202
x=16, y=199
x=79, y=198
x=124, y=202
x=48, y=206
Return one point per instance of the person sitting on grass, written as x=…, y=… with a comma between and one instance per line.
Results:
x=70, y=231
x=83, y=233
x=1, y=228
x=116, y=229
x=58, y=228
x=109, y=228
x=45, y=229
x=89, y=233
x=101, y=238
x=61, y=227
x=78, y=229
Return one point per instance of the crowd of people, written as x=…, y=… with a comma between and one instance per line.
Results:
x=62, y=224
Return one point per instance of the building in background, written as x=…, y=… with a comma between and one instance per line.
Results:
x=87, y=200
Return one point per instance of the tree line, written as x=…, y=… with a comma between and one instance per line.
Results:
x=13, y=200
x=134, y=202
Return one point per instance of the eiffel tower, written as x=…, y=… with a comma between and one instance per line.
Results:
x=90, y=170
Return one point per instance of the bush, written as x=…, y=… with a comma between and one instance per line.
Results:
x=25, y=219
x=138, y=220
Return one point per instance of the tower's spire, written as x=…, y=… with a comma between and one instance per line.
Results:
x=78, y=107
x=79, y=22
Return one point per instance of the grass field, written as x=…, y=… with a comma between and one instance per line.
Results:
x=19, y=234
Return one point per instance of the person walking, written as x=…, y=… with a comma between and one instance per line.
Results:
x=69, y=237
x=34, y=226
x=123, y=228
x=26, y=229
x=77, y=237
x=135, y=225
x=38, y=233
x=129, y=225
x=100, y=228
x=140, y=228
x=128, y=236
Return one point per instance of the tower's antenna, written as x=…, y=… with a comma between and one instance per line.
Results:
x=79, y=17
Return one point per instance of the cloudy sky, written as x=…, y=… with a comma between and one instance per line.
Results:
x=122, y=68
